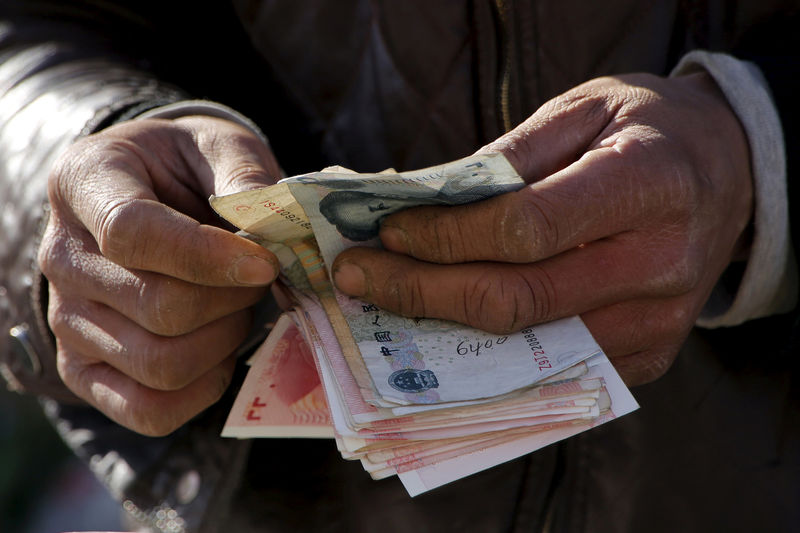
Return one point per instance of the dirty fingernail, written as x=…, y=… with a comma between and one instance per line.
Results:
x=253, y=270
x=395, y=239
x=349, y=278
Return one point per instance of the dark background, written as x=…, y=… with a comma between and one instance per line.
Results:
x=43, y=487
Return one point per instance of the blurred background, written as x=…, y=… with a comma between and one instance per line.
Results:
x=43, y=487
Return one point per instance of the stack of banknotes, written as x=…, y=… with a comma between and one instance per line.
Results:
x=428, y=400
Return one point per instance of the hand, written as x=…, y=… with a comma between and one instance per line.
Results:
x=148, y=299
x=639, y=196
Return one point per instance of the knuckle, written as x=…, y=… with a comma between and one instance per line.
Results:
x=491, y=304
x=583, y=106
x=117, y=230
x=586, y=107
x=66, y=316
x=530, y=229
x=403, y=293
x=77, y=371
x=221, y=380
x=447, y=240
x=508, y=302
x=676, y=323
x=513, y=145
x=159, y=366
x=57, y=316
x=665, y=323
x=150, y=418
x=153, y=421
x=52, y=254
x=69, y=369
x=244, y=172
x=680, y=269
x=637, y=164
x=60, y=180
x=538, y=295
x=237, y=155
x=645, y=367
x=169, y=307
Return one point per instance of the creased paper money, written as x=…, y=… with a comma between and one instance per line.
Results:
x=397, y=360
x=428, y=400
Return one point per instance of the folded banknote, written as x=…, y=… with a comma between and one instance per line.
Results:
x=405, y=394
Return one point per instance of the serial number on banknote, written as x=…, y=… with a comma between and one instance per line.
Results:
x=467, y=347
x=539, y=355
x=280, y=210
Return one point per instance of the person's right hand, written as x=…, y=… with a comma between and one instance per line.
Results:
x=147, y=298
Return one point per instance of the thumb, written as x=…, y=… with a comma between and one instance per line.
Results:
x=133, y=187
x=559, y=132
x=236, y=158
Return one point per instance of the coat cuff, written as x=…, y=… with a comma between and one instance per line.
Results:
x=45, y=123
x=207, y=108
x=768, y=284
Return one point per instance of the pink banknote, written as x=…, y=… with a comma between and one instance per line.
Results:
x=282, y=395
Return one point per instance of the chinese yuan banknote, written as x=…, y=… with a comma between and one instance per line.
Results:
x=429, y=400
x=282, y=395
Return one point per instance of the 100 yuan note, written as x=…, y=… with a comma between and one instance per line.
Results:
x=395, y=360
x=428, y=477
x=282, y=395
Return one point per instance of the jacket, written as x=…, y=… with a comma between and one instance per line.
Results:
x=371, y=85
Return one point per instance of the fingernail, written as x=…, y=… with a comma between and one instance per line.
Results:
x=350, y=279
x=395, y=239
x=253, y=270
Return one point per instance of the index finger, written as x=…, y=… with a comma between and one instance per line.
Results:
x=607, y=191
x=112, y=200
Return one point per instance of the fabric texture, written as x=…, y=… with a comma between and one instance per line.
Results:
x=202, y=107
x=769, y=282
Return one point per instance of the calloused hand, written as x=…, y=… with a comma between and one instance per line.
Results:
x=148, y=299
x=639, y=197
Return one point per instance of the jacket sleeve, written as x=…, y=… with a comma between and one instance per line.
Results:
x=773, y=44
x=768, y=284
x=761, y=85
x=60, y=78
x=68, y=69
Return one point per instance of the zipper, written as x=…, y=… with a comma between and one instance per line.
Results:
x=504, y=80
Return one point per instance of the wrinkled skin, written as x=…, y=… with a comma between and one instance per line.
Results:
x=147, y=299
x=639, y=197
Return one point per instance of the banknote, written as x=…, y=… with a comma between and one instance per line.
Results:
x=360, y=414
x=397, y=360
x=424, y=461
x=428, y=400
x=346, y=210
x=425, y=478
x=568, y=397
x=282, y=395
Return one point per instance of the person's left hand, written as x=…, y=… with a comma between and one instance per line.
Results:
x=639, y=196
